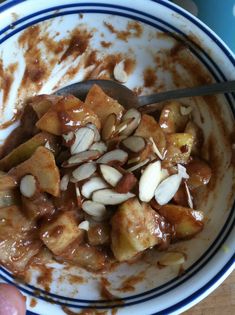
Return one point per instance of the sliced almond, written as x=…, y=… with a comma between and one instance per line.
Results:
x=171, y=259
x=182, y=171
x=122, y=126
x=189, y=196
x=155, y=149
x=110, y=174
x=69, y=138
x=96, y=131
x=119, y=72
x=134, y=143
x=93, y=184
x=28, y=186
x=137, y=166
x=81, y=158
x=198, y=215
x=84, y=138
x=109, y=127
x=99, y=146
x=164, y=174
x=115, y=156
x=64, y=182
x=185, y=110
x=79, y=196
x=167, y=189
x=84, y=171
x=110, y=197
x=93, y=208
x=84, y=225
x=126, y=183
x=133, y=160
x=136, y=118
x=149, y=181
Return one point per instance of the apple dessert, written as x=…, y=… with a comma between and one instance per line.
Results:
x=96, y=184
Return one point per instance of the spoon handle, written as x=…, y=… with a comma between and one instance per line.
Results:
x=214, y=88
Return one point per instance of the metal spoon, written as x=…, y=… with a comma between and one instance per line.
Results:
x=128, y=99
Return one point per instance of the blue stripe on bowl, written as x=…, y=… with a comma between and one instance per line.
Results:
x=228, y=265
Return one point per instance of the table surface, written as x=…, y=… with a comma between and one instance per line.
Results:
x=220, y=302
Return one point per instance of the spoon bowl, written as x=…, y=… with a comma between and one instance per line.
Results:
x=145, y=103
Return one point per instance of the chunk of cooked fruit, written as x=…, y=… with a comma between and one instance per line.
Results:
x=179, y=147
x=171, y=120
x=18, y=239
x=102, y=104
x=149, y=127
x=184, y=220
x=98, y=233
x=42, y=103
x=198, y=138
x=199, y=173
x=26, y=149
x=135, y=227
x=7, y=182
x=41, y=165
x=59, y=233
x=37, y=207
x=86, y=256
x=12, y=217
x=66, y=115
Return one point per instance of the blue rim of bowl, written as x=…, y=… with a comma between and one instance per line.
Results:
x=12, y=3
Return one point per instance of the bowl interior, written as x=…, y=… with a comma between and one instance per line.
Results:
x=39, y=58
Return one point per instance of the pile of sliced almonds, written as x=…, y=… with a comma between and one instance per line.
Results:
x=96, y=167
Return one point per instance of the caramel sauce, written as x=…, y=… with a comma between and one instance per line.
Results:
x=10, y=122
x=129, y=283
x=129, y=65
x=6, y=79
x=45, y=278
x=84, y=312
x=133, y=30
x=74, y=279
x=150, y=77
x=33, y=302
x=78, y=44
x=105, y=44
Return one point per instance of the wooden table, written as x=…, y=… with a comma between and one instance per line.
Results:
x=220, y=302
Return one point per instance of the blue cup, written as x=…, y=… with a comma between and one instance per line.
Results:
x=219, y=15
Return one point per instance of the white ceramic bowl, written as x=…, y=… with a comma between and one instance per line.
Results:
x=211, y=253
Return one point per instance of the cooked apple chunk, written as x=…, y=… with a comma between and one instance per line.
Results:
x=67, y=114
x=187, y=222
x=42, y=166
x=103, y=105
x=179, y=147
x=149, y=127
x=135, y=227
x=26, y=149
x=18, y=240
x=171, y=119
x=59, y=233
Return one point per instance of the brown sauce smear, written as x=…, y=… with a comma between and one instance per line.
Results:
x=84, y=312
x=33, y=302
x=128, y=284
x=11, y=121
x=74, y=279
x=150, y=77
x=6, y=79
x=45, y=279
x=133, y=30
x=78, y=43
x=105, y=44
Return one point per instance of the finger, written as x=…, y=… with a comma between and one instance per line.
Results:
x=12, y=302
